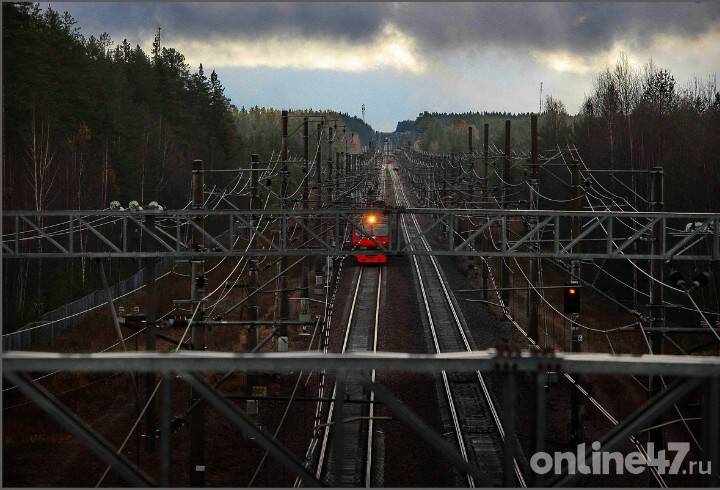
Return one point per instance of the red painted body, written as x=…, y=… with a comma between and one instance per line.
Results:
x=375, y=225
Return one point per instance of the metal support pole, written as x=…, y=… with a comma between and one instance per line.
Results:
x=339, y=429
x=331, y=135
x=533, y=299
x=197, y=289
x=252, y=307
x=165, y=431
x=576, y=405
x=508, y=421
x=318, y=165
x=282, y=309
x=150, y=339
x=504, y=275
x=336, y=183
x=484, y=267
x=304, y=306
x=486, y=131
x=657, y=311
x=538, y=423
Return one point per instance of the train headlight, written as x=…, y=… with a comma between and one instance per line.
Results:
x=371, y=219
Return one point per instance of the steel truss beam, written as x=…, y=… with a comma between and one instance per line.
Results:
x=689, y=371
x=606, y=234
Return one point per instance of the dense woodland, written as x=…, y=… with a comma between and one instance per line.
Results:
x=632, y=119
x=88, y=121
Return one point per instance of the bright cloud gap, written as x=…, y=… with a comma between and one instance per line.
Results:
x=391, y=49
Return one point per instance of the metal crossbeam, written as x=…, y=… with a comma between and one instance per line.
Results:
x=484, y=361
x=551, y=232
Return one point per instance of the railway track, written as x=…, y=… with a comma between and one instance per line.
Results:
x=361, y=334
x=474, y=420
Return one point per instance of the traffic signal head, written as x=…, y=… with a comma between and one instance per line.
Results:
x=571, y=298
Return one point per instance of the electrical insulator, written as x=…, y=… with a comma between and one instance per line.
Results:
x=676, y=278
x=571, y=298
x=701, y=280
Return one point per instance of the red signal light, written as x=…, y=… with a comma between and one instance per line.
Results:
x=571, y=299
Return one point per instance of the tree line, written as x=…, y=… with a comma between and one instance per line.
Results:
x=633, y=118
x=88, y=121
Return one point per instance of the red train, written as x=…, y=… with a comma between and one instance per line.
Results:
x=374, y=224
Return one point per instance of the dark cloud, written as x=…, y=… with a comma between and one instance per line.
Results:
x=348, y=21
x=580, y=27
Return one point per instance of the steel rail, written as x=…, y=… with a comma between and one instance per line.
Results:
x=458, y=323
x=446, y=384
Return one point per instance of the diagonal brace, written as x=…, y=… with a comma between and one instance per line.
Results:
x=73, y=424
x=643, y=416
x=589, y=229
x=637, y=235
x=540, y=225
x=424, y=232
x=151, y=233
x=669, y=254
x=476, y=233
x=421, y=428
x=249, y=428
x=44, y=235
x=99, y=235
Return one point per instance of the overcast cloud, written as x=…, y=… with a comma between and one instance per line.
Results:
x=581, y=27
x=510, y=46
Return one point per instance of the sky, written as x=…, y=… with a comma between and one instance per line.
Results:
x=400, y=59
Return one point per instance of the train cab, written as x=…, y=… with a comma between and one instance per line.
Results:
x=371, y=232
